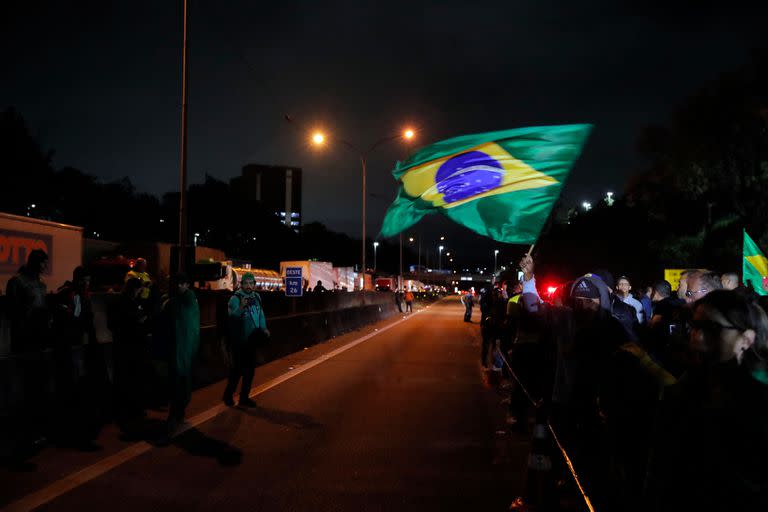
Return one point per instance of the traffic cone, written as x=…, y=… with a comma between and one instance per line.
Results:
x=540, y=486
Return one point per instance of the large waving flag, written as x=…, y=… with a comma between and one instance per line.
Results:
x=755, y=266
x=499, y=184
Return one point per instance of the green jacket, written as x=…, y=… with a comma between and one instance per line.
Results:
x=183, y=315
x=243, y=322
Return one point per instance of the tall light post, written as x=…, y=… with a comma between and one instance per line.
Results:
x=375, y=246
x=183, y=158
x=319, y=139
x=440, y=257
x=418, y=261
x=495, y=259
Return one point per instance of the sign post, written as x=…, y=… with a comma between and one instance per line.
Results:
x=293, y=282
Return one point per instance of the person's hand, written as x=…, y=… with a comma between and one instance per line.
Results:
x=266, y=333
x=244, y=302
x=526, y=265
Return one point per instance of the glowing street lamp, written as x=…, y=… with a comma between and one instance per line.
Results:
x=609, y=198
x=439, y=258
x=319, y=139
x=586, y=205
x=375, y=246
x=495, y=256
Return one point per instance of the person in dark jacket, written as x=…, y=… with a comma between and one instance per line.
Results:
x=469, y=302
x=712, y=434
x=128, y=322
x=28, y=312
x=79, y=391
x=73, y=313
x=585, y=333
x=247, y=330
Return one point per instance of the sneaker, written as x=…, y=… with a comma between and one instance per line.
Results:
x=228, y=401
x=246, y=402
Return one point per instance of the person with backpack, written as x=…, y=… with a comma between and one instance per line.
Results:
x=247, y=329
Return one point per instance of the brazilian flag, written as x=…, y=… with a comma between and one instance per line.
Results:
x=499, y=184
x=755, y=266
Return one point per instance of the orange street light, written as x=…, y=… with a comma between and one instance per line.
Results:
x=318, y=139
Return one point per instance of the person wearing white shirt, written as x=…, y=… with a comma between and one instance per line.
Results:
x=623, y=289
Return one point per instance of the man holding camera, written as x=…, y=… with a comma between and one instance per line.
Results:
x=247, y=329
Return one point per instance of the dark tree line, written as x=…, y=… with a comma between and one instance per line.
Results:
x=706, y=180
x=116, y=211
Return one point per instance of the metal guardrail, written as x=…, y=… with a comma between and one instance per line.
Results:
x=563, y=452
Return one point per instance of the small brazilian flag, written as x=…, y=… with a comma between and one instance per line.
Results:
x=755, y=266
x=499, y=184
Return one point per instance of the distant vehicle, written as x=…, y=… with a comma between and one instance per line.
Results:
x=312, y=272
x=386, y=284
x=21, y=235
x=267, y=280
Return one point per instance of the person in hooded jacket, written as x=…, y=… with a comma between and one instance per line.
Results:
x=247, y=329
x=585, y=334
x=181, y=321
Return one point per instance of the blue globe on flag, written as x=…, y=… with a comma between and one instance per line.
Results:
x=467, y=175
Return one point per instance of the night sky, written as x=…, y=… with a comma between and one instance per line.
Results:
x=99, y=82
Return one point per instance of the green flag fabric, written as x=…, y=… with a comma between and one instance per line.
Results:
x=499, y=184
x=755, y=266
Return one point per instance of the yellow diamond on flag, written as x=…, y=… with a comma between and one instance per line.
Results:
x=482, y=171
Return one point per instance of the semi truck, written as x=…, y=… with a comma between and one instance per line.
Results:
x=21, y=235
x=312, y=272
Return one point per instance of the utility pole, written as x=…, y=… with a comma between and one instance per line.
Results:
x=183, y=163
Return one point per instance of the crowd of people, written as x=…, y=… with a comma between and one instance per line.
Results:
x=155, y=338
x=661, y=397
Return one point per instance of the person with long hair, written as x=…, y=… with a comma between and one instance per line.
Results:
x=712, y=434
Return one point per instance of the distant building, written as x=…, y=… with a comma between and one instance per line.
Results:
x=277, y=187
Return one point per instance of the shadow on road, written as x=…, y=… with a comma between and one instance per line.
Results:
x=287, y=418
x=192, y=441
x=198, y=444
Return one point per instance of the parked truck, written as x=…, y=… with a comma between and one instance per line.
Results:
x=21, y=235
x=312, y=272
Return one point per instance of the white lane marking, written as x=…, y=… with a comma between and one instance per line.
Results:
x=78, y=478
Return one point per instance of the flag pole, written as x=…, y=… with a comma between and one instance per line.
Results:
x=530, y=251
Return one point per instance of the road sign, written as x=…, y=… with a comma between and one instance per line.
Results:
x=293, y=282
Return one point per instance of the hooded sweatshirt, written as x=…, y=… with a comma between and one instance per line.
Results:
x=244, y=321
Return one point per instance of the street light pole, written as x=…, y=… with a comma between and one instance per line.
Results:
x=495, y=265
x=375, y=246
x=440, y=258
x=183, y=158
x=319, y=139
x=362, y=161
x=400, y=281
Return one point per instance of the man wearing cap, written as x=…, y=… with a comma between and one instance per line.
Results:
x=247, y=329
x=586, y=334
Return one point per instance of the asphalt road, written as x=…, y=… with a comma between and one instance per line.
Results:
x=401, y=421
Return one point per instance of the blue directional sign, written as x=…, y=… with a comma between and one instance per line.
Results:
x=293, y=282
